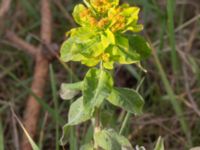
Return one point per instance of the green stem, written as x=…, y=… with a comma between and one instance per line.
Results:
x=172, y=39
x=124, y=123
x=128, y=114
x=97, y=125
x=97, y=121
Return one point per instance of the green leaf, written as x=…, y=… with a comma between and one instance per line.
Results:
x=70, y=90
x=65, y=134
x=97, y=85
x=129, y=49
x=123, y=141
x=82, y=33
x=122, y=42
x=110, y=37
x=131, y=13
x=108, y=139
x=71, y=51
x=88, y=146
x=128, y=99
x=122, y=48
x=85, y=45
x=140, y=45
x=108, y=65
x=77, y=114
x=104, y=140
x=159, y=144
x=134, y=27
x=106, y=117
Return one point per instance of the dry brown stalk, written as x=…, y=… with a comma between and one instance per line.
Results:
x=32, y=109
x=20, y=43
x=4, y=7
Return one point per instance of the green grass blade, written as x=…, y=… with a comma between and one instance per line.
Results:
x=73, y=140
x=170, y=13
x=55, y=99
x=32, y=143
x=176, y=105
x=159, y=144
x=1, y=135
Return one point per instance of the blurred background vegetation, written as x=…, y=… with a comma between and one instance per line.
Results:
x=171, y=87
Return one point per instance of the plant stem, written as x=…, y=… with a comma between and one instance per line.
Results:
x=97, y=125
x=97, y=121
x=172, y=39
x=128, y=114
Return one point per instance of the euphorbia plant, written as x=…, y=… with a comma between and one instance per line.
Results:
x=106, y=36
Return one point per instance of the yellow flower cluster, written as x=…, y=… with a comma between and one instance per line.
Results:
x=101, y=6
x=116, y=20
x=119, y=23
x=86, y=14
x=104, y=22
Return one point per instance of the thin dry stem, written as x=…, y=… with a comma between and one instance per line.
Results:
x=5, y=5
x=46, y=29
x=20, y=43
x=31, y=113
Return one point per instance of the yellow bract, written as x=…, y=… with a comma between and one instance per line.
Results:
x=105, y=57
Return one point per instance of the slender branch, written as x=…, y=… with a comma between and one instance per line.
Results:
x=31, y=113
x=4, y=8
x=20, y=43
x=46, y=15
x=32, y=109
x=5, y=5
x=97, y=125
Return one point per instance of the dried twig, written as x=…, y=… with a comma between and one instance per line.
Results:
x=23, y=45
x=32, y=109
x=46, y=28
x=185, y=73
x=189, y=95
x=5, y=5
x=31, y=113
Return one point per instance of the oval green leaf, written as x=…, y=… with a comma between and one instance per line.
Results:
x=128, y=99
x=109, y=139
x=97, y=86
x=77, y=114
x=70, y=90
x=88, y=146
x=139, y=45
